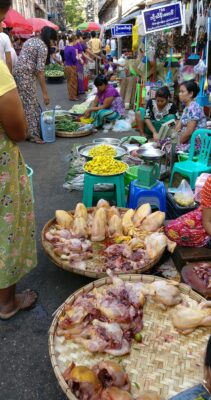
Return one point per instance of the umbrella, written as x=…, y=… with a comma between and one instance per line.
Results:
x=89, y=26
x=14, y=19
x=39, y=23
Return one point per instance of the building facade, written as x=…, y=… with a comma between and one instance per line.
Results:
x=113, y=11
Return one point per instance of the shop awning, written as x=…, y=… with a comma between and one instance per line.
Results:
x=133, y=15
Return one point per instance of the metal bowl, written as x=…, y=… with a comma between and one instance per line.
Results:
x=111, y=141
x=83, y=151
x=150, y=154
x=149, y=145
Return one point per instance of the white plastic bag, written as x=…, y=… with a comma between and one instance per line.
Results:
x=200, y=68
x=122, y=126
x=184, y=195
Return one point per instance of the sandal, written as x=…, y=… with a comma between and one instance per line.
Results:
x=36, y=140
x=22, y=306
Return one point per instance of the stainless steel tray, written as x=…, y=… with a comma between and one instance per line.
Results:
x=111, y=141
x=121, y=151
x=150, y=154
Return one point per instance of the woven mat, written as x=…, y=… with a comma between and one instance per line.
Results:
x=166, y=361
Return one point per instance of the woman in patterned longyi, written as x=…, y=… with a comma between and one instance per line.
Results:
x=30, y=67
x=17, y=242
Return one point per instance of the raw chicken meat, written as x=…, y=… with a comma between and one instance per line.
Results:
x=142, y=212
x=81, y=211
x=186, y=319
x=80, y=228
x=98, y=232
x=110, y=374
x=83, y=382
x=112, y=211
x=155, y=244
x=103, y=204
x=64, y=219
x=114, y=393
x=115, y=226
x=165, y=293
x=127, y=221
x=153, y=222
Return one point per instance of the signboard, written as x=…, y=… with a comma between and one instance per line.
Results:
x=122, y=30
x=162, y=17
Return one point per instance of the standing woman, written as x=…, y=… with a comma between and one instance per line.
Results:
x=17, y=244
x=71, y=69
x=62, y=44
x=80, y=64
x=30, y=67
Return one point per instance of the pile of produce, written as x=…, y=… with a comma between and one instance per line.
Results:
x=79, y=109
x=54, y=71
x=66, y=124
x=101, y=150
x=105, y=165
x=103, y=237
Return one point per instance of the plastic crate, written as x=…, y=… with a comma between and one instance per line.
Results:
x=173, y=210
x=48, y=126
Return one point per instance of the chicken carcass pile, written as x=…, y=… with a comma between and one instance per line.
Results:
x=131, y=239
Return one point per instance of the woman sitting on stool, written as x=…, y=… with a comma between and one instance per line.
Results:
x=107, y=105
x=158, y=111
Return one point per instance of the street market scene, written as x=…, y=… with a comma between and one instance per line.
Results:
x=105, y=200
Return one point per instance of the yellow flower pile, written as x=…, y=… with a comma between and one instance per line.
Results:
x=101, y=150
x=105, y=165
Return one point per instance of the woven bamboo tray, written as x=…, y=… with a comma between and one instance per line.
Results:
x=165, y=362
x=72, y=134
x=92, y=269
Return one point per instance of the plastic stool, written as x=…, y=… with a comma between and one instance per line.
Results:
x=156, y=196
x=91, y=180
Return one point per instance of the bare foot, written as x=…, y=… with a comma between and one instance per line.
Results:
x=23, y=301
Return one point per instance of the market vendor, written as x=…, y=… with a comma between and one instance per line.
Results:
x=193, y=116
x=107, y=106
x=194, y=228
x=157, y=112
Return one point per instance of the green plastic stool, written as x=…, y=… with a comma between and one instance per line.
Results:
x=91, y=180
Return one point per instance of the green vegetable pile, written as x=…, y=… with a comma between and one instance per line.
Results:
x=66, y=125
x=54, y=71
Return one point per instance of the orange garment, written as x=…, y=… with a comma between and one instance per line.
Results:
x=206, y=194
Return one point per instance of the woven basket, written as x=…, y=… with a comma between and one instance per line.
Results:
x=92, y=269
x=72, y=134
x=165, y=362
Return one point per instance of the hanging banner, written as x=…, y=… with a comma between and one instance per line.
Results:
x=162, y=17
x=122, y=30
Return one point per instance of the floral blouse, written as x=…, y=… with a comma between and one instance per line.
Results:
x=193, y=112
x=153, y=113
x=33, y=55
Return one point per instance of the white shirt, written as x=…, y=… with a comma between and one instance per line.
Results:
x=61, y=44
x=113, y=44
x=5, y=45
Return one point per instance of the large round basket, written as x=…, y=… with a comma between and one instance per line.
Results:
x=166, y=361
x=92, y=268
x=64, y=134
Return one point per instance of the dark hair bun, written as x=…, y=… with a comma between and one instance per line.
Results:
x=191, y=86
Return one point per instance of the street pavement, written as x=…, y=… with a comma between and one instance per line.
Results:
x=25, y=368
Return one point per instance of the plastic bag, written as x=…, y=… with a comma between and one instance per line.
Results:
x=186, y=73
x=184, y=195
x=200, y=68
x=122, y=125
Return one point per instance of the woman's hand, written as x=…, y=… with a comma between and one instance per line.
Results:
x=87, y=114
x=155, y=136
x=46, y=99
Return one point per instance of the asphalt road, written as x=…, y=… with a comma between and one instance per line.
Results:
x=25, y=367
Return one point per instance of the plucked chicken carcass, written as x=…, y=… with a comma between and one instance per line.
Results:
x=142, y=212
x=103, y=204
x=80, y=228
x=110, y=374
x=114, y=393
x=81, y=211
x=187, y=319
x=166, y=294
x=115, y=226
x=112, y=211
x=153, y=222
x=127, y=221
x=64, y=219
x=155, y=244
x=98, y=231
x=83, y=382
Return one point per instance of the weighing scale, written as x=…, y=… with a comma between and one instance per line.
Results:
x=149, y=170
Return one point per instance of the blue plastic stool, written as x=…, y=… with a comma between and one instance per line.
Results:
x=156, y=196
x=91, y=180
